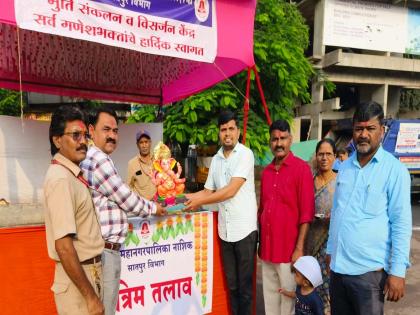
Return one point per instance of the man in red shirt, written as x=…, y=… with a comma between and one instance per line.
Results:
x=286, y=209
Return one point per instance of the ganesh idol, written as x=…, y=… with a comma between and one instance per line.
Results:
x=170, y=185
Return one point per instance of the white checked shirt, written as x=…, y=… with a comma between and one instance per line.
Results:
x=111, y=196
x=237, y=215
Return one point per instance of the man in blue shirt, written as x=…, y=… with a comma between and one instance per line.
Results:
x=370, y=230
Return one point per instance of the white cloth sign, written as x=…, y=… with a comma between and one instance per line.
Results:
x=167, y=266
x=178, y=28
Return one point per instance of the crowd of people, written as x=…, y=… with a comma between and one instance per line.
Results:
x=334, y=240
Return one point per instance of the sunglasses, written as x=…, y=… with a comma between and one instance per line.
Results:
x=77, y=135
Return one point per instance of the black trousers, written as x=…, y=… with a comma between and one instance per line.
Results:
x=357, y=295
x=239, y=267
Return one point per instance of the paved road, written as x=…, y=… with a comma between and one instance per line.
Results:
x=410, y=304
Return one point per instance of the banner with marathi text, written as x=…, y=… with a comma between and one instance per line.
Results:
x=178, y=28
x=167, y=266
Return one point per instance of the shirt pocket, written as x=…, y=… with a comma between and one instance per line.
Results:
x=342, y=193
x=142, y=181
x=376, y=202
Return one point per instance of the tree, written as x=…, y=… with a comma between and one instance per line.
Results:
x=281, y=37
x=193, y=120
x=9, y=102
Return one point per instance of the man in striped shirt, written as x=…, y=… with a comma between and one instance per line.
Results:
x=112, y=199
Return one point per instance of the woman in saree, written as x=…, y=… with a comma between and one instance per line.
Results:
x=324, y=184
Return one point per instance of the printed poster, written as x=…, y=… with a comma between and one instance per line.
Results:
x=177, y=28
x=167, y=266
x=408, y=138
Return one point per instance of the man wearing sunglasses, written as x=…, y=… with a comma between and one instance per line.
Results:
x=74, y=239
x=113, y=199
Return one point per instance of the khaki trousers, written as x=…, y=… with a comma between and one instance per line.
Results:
x=274, y=277
x=68, y=299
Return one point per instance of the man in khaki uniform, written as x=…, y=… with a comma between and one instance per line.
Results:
x=139, y=167
x=73, y=233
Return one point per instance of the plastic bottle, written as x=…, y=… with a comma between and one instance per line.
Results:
x=192, y=163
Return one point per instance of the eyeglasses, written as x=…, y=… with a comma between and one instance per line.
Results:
x=77, y=135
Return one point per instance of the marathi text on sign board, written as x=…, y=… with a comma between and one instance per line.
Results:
x=167, y=266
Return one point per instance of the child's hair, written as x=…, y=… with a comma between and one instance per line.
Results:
x=342, y=151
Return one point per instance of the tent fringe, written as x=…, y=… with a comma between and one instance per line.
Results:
x=20, y=76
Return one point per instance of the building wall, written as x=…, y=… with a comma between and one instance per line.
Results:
x=25, y=156
x=378, y=74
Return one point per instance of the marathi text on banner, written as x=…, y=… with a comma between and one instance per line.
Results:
x=178, y=28
x=167, y=266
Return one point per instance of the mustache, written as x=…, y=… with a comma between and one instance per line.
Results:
x=82, y=147
x=110, y=140
x=278, y=147
x=363, y=141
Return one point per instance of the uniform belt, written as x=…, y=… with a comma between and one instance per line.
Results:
x=113, y=246
x=91, y=261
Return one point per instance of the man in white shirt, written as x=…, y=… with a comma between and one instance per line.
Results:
x=230, y=184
